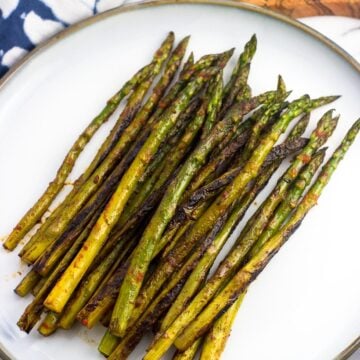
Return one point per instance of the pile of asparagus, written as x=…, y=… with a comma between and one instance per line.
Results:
x=132, y=244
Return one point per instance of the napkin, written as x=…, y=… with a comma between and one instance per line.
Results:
x=26, y=23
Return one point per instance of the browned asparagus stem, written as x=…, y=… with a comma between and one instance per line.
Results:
x=38, y=286
x=279, y=152
x=49, y=324
x=171, y=153
x=249, y=272
x=48, y=260
x=104, y=299
x=168, y=294
x=224, y=201
x=240, y=75
x=95, y=278
x=59, y=219
x=234, y=258
x=199, y=201
x=33, y=311
x=27, y=283
x=37, y=211
x=130, y=220
x=158, y=307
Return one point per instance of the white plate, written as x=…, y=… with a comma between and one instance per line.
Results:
x=306, y=304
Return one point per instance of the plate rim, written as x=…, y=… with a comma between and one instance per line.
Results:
x=153, y=3
x=4, y=354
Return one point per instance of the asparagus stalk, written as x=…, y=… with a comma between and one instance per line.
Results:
x=290, y=202
x=244, y=95
x=108, y=343
x=58, y=221
x=201, y=270
x=107, y=146
x=39, y=208
x=216, y=89
x=249, y=272
x=94, y=279
x=57, y=298
x=189, y=62
x=206, y=173
x=240, y=74
x=210, y=171
x=178, y=153
x=104, y=298
x=279, y=152
x=49, y=258
x=49, y=324
x=142, y=254
x=219, y=161
x=190, y=134
x=215, y=340
x=225, y=200
x=35, y=290
x=188, y=71
x=196, y=204
x=259, y=220
x=167, y=294
x=147, y=295
x=105, y=320
x=33, y=311
x=268, y=113
x=175, y=150
x=180, y=227
x=29, y=281
x=130, y=218
x=161, y=303
x=97, y=203
x=189, y=353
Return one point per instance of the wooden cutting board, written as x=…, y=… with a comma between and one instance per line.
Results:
x=302, y=8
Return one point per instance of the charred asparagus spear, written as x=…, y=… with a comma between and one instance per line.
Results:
x=189, y=353
x=215, y=340
x=224, y=201
x=58, y=221
x=240, y=74
x=40, y=207
x=57, y=298
x=257, y=223
x=249, y=272
x=217, y=336
x=33, y=311
x=142, y=254
x=200, y=272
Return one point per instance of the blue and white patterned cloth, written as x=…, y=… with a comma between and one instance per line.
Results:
x=26, y=23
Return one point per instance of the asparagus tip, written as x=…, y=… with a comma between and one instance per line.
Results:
x=324, y=100
x=231, y=50
x=281, y=82
x=321, y=152
x=229, y=53
x=355, y=126
x=185, y=40
x=336, y=118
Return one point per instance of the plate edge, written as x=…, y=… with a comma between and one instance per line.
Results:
x=150, y=3
x=145, y=4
